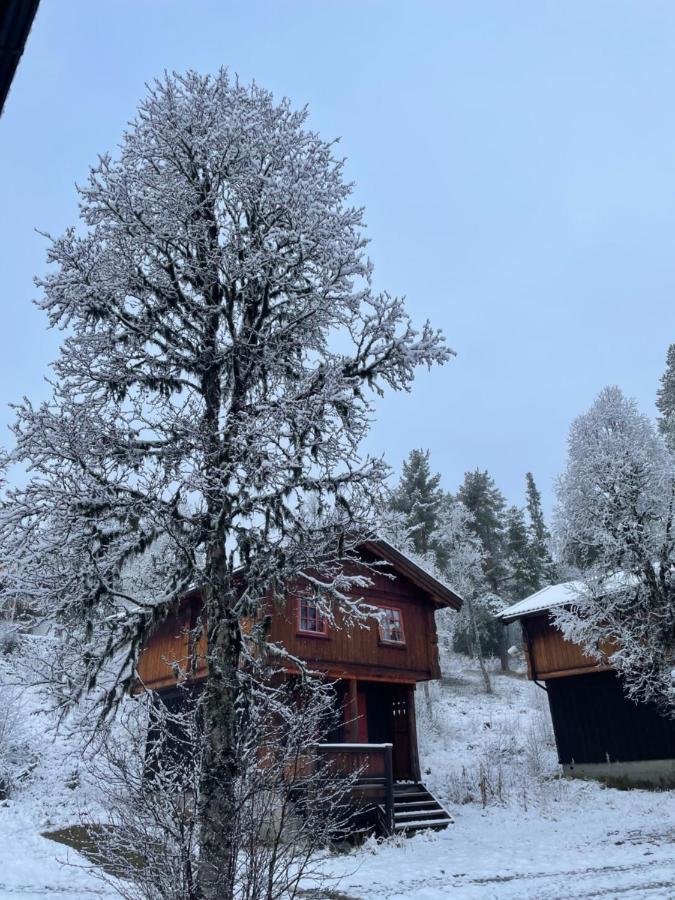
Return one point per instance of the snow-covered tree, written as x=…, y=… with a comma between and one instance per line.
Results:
x=418, y=498
x=615, y=513
x=460, y=562
x=221, y=337
x=665, y=400
x=483, y=499
x=521, y=579
x=541, y=561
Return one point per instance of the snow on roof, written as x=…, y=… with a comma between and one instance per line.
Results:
x=546, y=598
x=445, y=593
x=568, y=592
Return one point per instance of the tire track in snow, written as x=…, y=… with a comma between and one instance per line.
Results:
x=663, y=882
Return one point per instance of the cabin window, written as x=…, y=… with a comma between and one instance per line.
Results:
x=391, y=626
x=310, y=620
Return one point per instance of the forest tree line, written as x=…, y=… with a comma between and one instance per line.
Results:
x=612, y=535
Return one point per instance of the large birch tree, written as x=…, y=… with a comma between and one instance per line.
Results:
x=614, y=520
x=222, y=345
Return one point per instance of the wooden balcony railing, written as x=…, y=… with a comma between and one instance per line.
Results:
x=374, y=766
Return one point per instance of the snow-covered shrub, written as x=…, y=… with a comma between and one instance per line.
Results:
x=487, y=749
x=9, y=638
x=507, y=769
x=12, y=744
x=289, y=805
x=540, y=740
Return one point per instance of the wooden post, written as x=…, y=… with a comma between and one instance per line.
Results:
x=353, y=711
x=389, y=789
x=412, y=733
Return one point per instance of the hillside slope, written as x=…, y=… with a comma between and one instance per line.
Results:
x=520, y=831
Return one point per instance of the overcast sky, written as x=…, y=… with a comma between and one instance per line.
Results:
x=516, y=161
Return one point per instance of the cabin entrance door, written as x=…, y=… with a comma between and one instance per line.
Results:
x=389, y=723
x=401, y=737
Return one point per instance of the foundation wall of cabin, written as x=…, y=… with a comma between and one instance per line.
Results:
x=647, y=772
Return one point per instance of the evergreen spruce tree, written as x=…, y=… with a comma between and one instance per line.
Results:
x=665, y=400
x=418, y=499
x=538, y=528
x=544, y=570
x=486, y=503
x=522, y=574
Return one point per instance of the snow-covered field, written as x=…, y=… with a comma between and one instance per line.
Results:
x=519, y=831
x=538, y=836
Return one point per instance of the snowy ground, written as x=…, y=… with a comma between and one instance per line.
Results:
x=537, y=836
x=519, y=832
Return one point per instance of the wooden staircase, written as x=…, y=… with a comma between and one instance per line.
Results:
x=416, y=808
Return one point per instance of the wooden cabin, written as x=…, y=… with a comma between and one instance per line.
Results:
x=375, y=671
x=599, y=732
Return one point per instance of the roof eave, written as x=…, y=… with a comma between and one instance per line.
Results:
x=440, y=593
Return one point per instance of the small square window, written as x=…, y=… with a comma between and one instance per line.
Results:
x=310, y=620
x=391, y=626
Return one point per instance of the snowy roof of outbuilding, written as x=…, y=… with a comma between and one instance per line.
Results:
x=568, y=592
x=547, y=598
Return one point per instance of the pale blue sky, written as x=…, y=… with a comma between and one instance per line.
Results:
x=516, y=161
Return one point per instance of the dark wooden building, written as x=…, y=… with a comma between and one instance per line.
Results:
x=599, y=732
x=375, y=671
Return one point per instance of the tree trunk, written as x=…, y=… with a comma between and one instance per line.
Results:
x=504, y=649
x=478, y=646
x=217, y=789
x=427, y=700
x=217, y=796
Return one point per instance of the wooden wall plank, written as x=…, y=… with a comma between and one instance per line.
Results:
x=594, y=722
x=549, y=655
x=353, y=652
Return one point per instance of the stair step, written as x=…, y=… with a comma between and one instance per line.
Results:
x=416, y=808
x=421, y=814
x=415, y=803
x=423, y=823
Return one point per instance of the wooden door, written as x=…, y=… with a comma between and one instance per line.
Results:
x=401, y=737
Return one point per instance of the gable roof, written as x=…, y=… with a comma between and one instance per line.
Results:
x=441, y=594
x=547, y=598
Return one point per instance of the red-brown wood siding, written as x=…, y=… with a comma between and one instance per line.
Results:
x=358, y=651
x=168, y=647
x=354, y=652
x=549, y=655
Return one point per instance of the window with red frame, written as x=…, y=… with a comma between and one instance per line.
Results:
x=391, y=626
x=310, y=620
